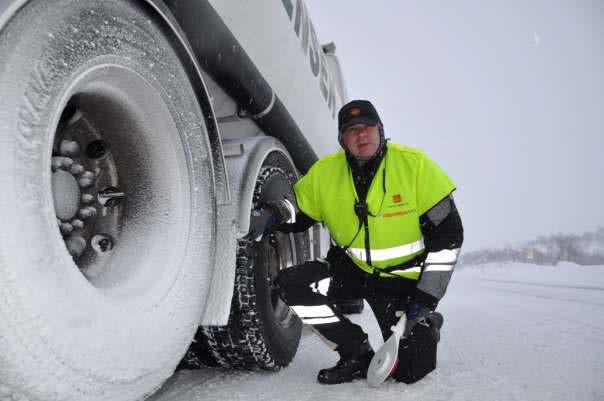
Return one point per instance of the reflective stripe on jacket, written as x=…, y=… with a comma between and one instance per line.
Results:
x=406, y=185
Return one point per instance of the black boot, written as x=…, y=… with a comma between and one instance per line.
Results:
x=352, y=365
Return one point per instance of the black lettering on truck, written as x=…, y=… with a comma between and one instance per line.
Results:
x=318, y=63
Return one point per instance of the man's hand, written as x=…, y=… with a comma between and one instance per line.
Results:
x=270, y=214
x=283, y=210
x=261, y=222
x=416, y=313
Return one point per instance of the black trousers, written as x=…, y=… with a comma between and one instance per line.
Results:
x=386, y=296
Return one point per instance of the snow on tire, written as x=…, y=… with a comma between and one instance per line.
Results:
x=107, y=212
x=262, y=332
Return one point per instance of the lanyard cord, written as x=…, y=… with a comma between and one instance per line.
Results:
x=361, y=209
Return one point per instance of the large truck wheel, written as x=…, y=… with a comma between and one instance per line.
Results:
x=107, y=215
x=262, y=331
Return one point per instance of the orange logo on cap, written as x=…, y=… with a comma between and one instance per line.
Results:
x=355, y=111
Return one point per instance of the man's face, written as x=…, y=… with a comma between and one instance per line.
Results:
x=362, y=140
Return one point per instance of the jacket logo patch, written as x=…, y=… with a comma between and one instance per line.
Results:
x=396, y=198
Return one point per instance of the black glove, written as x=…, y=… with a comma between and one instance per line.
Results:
x=416, y=313
x=261, y=222
x=283, y=211
x=269, y=215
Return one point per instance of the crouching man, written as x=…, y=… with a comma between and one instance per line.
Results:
x=396, y=236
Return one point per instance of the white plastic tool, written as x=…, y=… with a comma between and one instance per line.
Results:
x=385, y=359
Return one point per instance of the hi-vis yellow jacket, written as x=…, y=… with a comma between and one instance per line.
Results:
x=406, y=185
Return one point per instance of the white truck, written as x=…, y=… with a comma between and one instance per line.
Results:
x=136, y=137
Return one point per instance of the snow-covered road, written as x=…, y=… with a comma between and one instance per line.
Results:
x=512, y=332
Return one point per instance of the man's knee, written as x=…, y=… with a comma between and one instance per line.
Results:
x=294, y=283
x=303, y=275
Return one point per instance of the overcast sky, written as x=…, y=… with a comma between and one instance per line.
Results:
x=506, y=95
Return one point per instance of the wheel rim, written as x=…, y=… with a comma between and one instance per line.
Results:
x=85, y=180
x=281, y=256
x=117, y=180
x=281, y=247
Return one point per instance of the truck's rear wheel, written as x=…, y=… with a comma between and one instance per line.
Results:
x=262, y=331
x=106, y=209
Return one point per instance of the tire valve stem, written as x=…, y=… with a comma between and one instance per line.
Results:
x=110, y=197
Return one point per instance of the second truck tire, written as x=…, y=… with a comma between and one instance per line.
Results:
x=262, y=331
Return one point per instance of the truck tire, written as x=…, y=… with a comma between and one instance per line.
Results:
x=107, y=212
x=262, y=331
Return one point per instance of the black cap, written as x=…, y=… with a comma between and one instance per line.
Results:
x=357, y=112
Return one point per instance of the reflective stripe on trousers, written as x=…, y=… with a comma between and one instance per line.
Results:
x=316, y=314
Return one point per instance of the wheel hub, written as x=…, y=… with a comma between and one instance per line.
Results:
x=66, y=194
x=81, y=188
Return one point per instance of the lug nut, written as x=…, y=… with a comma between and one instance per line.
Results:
x=65, y=228
x=77, y=223
x=58, y=162
x=87, y=212
x=85, y=182
x=77, y=169
x=75, y=245
x=69, y=148
x=272, y=239
x=55, y=163
x=87, y=198
x=101, y=243
x=66, y=162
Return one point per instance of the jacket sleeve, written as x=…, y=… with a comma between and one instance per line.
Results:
x=307, y=191
x=443, y=235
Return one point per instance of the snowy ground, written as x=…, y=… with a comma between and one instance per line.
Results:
x=512, y=332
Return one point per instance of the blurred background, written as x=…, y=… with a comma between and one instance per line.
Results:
x=506, y=96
